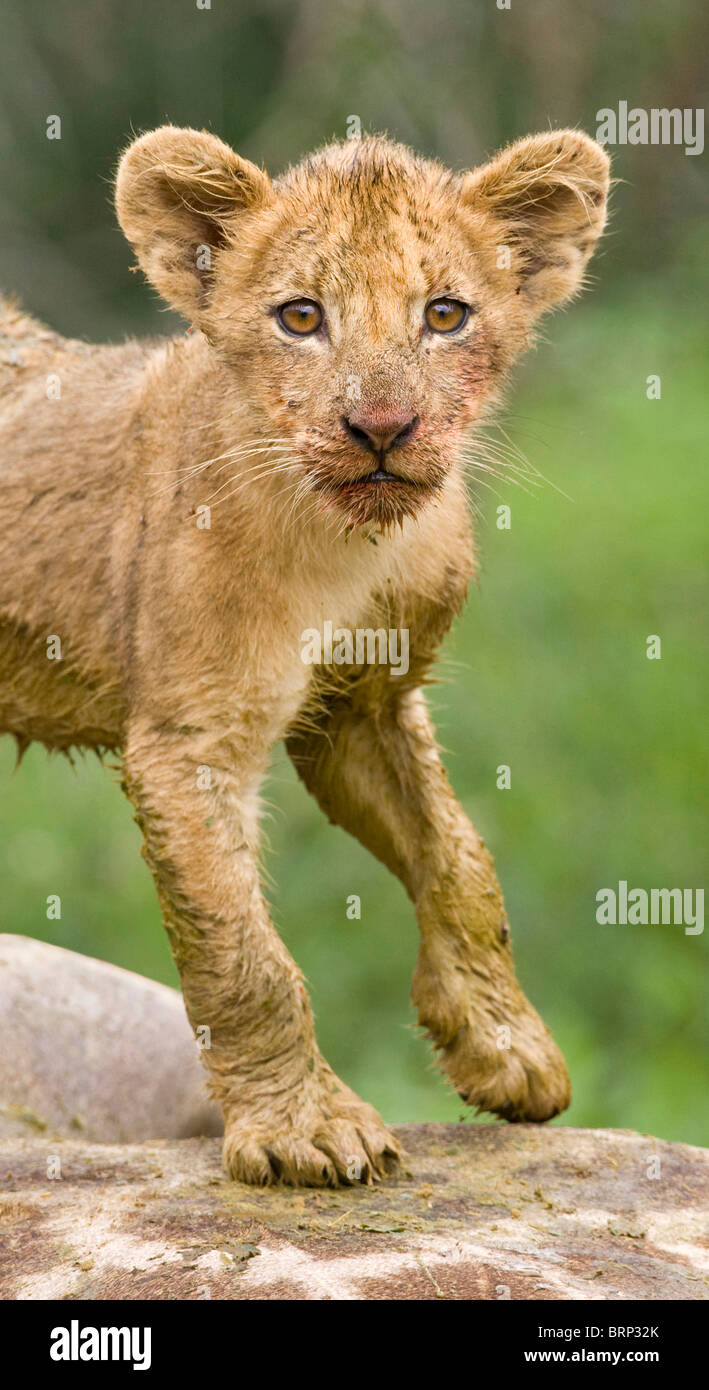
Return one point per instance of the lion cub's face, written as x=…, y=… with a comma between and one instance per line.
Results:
x=369, y=301
x=362, y=327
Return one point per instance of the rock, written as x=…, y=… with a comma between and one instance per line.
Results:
x=87, y=1048
x=93, y=1057
x=479, y=1212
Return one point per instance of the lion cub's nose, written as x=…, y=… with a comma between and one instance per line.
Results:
x=382, y=434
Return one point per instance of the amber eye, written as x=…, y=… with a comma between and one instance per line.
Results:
x=300, y=316
x=446, y=315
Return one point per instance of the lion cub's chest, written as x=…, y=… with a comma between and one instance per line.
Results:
x=324, y=621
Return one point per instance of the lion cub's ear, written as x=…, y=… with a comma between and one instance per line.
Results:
x=177, y=195
x=544, y=198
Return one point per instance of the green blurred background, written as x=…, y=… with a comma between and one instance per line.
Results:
x=547, y=670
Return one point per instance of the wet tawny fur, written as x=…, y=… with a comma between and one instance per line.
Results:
x=178, y=513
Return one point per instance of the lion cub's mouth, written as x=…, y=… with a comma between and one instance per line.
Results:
x=380, y=497
x=377, y=483
x=380, y=475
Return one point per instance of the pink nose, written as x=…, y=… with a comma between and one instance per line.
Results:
x=382, y=433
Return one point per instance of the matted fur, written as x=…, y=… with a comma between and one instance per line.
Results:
x=181, y=642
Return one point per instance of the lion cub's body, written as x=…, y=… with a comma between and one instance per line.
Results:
x=178, y=513
x=104, y=552
x=62, y=483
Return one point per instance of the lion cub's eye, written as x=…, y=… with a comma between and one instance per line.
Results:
x=300, y=316
x=446, y=315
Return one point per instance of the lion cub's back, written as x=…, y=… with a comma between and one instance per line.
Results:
x=28, y=350
x=65, y=428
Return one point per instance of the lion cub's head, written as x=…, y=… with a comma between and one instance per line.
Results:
x=368, y=301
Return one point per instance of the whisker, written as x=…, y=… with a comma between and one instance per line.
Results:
x=286, y=466
x=182, y=475
x=510, y=448
x=230, y=457
x=244, y=446
x=247, y=475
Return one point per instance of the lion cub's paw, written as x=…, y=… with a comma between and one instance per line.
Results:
x=319, y=1148
x=525, y=1080
x=491, y=1043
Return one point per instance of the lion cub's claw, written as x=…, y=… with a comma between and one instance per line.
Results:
x=331, y=1150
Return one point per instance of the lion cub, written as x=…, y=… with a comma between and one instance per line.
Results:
x=179, y=513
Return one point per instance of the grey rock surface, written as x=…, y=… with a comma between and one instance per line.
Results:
x=104, y=1193
x=482, y=1212
x=89, y=1049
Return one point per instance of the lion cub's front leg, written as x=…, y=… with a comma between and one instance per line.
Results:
x=493, y=1045
x=375, y=769
x=286, y=1114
